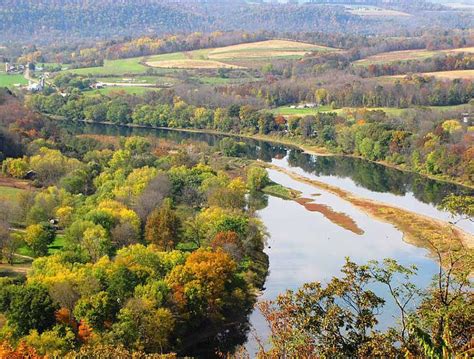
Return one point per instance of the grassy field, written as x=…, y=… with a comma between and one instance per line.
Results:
x=9, y=193
x=371, y=11
x=232, y=56
x=394, y=56
x=11, y=80
x=136, y=90
x=390, y=111
x=140, y=80
x=114, y=68
x=446, y=75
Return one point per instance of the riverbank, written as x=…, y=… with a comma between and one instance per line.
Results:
x=293, y=142
x=437, y=236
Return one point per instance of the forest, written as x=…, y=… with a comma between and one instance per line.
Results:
x=48, y=20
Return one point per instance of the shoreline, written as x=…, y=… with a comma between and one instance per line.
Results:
x=417, y=229
x=309, y=149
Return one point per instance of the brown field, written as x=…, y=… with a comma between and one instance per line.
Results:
x=241, y=55
x=192, y=64
x=15, y=183
x=406, y=55
x=446, y=75
x=255, y=54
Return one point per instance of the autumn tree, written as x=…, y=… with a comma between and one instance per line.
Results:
x=163, y=226
x=39, y=237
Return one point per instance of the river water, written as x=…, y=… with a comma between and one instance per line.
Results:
x=305, y=246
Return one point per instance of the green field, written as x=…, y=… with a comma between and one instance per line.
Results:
x=135, y=90
x=264, y=50
x=114, y=68
x=9, y=193
x=57, y=244
x=391, y=111
x=140, y=79
x=408, y=55
x=11, y=80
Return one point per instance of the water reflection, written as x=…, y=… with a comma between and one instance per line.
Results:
x=371, y=176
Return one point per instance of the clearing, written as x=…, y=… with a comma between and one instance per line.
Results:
x=237, y=55
x=12, y=80
x=192, y=64
x=374, y=11
x=446, y=75
x=205, y=58
x=346, y=111
x=407, y=55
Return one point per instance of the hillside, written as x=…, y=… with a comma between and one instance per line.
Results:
x=48, y=20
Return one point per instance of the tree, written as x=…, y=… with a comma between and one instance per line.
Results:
x=96, y=242
x=30, y=307
x=206, y=284
x=140, y=326
x=257, y=178
x=39, y=237
x=459, y=206
x=334, y=320
x=5, y=239
x=163, y=227
x=95, y=309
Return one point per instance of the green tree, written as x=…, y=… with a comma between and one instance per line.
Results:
x=39, y=237
x=30, y=307
x=140, y=326
x=257, y=178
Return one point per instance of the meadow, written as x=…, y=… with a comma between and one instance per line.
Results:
x=204, y=59
x=443, y=75
x=11, y=80
x=371, y=11
x=9, y=193
x=346, y=111
x=407, y=55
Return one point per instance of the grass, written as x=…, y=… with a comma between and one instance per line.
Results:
x=9, y=193
x=215, y=58
x=447, y=75
x=407, y=55
x=11, y=80
x=364, y=10
x=346, y=111
x=139, y=79
x=114, y=68
x=288, y=111
x=277, y=190
x=57, y=244
x=135, y=90
x=191, y=64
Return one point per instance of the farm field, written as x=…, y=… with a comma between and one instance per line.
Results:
x=374, y=11
x=11, y=80
x=444, y=75
x=9, y=193
x=391, y=111
x=406, y=55
x=206, y=58
x=235, y=56
x=114, y=68
x=135, y=90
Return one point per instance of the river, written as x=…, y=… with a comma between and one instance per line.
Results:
x=306, y=246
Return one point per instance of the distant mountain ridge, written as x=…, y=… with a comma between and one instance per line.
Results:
x=48, y=20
